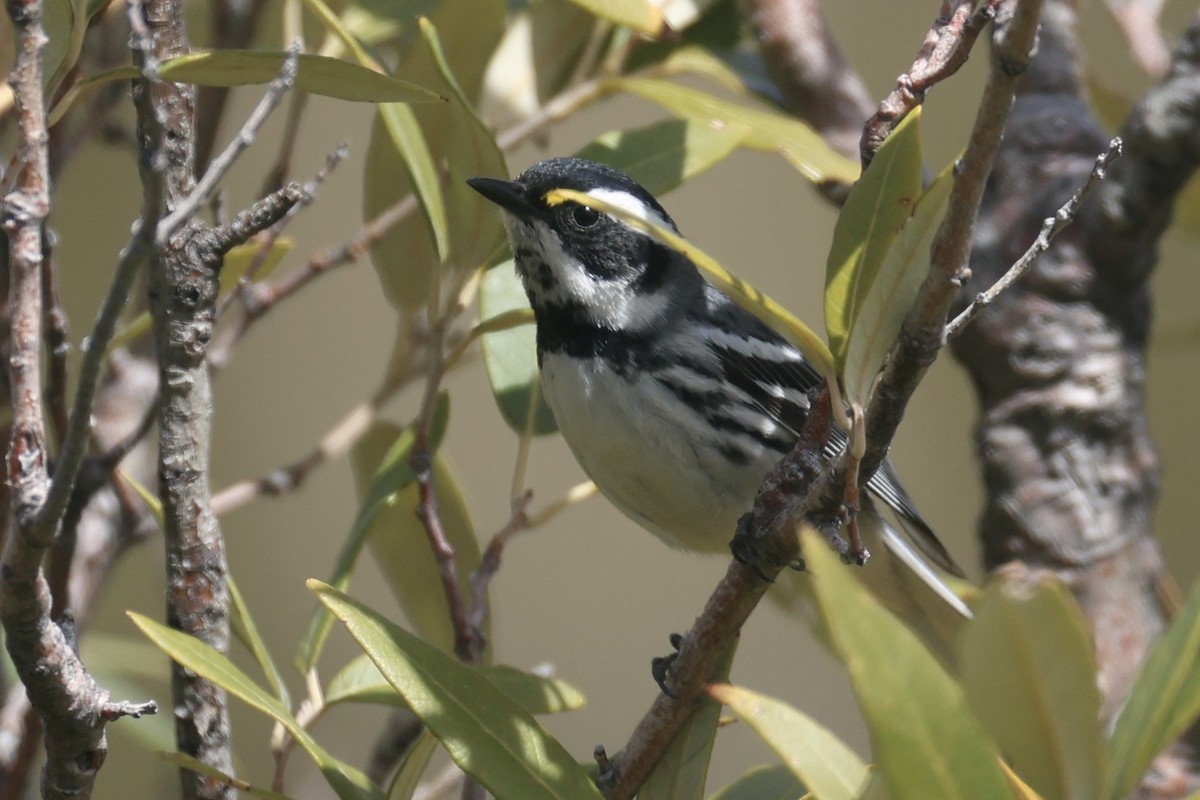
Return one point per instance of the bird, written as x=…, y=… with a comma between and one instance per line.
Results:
x=673, y=399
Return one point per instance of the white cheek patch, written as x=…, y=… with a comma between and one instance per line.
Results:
x=608, y=302
x=635, y=206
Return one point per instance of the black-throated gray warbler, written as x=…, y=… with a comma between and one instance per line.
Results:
x=674, y=400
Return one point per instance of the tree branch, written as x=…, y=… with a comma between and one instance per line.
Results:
x=945, y=49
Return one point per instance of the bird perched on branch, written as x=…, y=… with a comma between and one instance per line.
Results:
x=674, y=400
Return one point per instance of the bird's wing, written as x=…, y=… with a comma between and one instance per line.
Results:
x=777, y=378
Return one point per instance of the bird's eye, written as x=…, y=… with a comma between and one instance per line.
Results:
x=585, y=216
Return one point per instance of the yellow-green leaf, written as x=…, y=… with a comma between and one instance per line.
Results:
x=200, y=768
x=483, y=730
x=878, y=206
x=400, y=545
x=393, y=475
x=666, y=154
x=643, y=16
x=760, y=305
x=246, y=631
x=361, y=682
x=1164, y=701
x=534, y=60
x=330, y=77
x=193, y=654
x=1030, y=677
x=763, y=783
x=510, y=356
x=924, y=737
x=885, y=299
x=769, y=131
x=412, y=766
x=821, y=761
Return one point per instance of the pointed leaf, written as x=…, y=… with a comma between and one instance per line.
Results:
x=200, y=768
x=1164, y=701
x=1030, y=677
x=485, y=732
x=821, y=761
x=412, y=766
x=763, y=783
x=682, y=771
x=534, y=60
x=470, y=150
x=770, y=131
x=891, y=294
x=422, y=139
x=510, y=356
x=923, y=735
x=643, y=16
x=878, y=206
x=193, y=654
x=760, y=305
x=400, y=545
x=666, y=154
x=330, y=77
x=360, y=681
x=247, y=633
x=393, y=475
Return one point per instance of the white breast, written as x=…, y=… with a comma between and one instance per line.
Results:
x=646, y=452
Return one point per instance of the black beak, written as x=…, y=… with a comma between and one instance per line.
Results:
x=509, y=195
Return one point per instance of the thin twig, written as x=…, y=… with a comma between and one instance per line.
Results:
x=221, y=165
x=1051, y=227
x=945, y=49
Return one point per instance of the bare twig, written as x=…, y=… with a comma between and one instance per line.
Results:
x=1050, y=228
x=945, y=49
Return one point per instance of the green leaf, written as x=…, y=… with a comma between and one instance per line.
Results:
x=769, y=131
x=400, y=545
x=821, y=761
x=412, y=766
x=763, y=783
x=237, y=262
x=200, y=768
x=1164, y=701
x=393, y=475
x=924, y=737
x=884, y=303
x=471, y=150
x=247, y=633
x=1030, y=677
x=510, y=356
x=200, y=658
x=682, y=771
x=878, y=206
x=484, y=731
x=534, y=60
x=361, y=682
x=666, y=154
x=760, y=305
x=421, y=139
x=329, y=77
x=640, y=15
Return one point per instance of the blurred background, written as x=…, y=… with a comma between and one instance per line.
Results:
x=590, y=593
